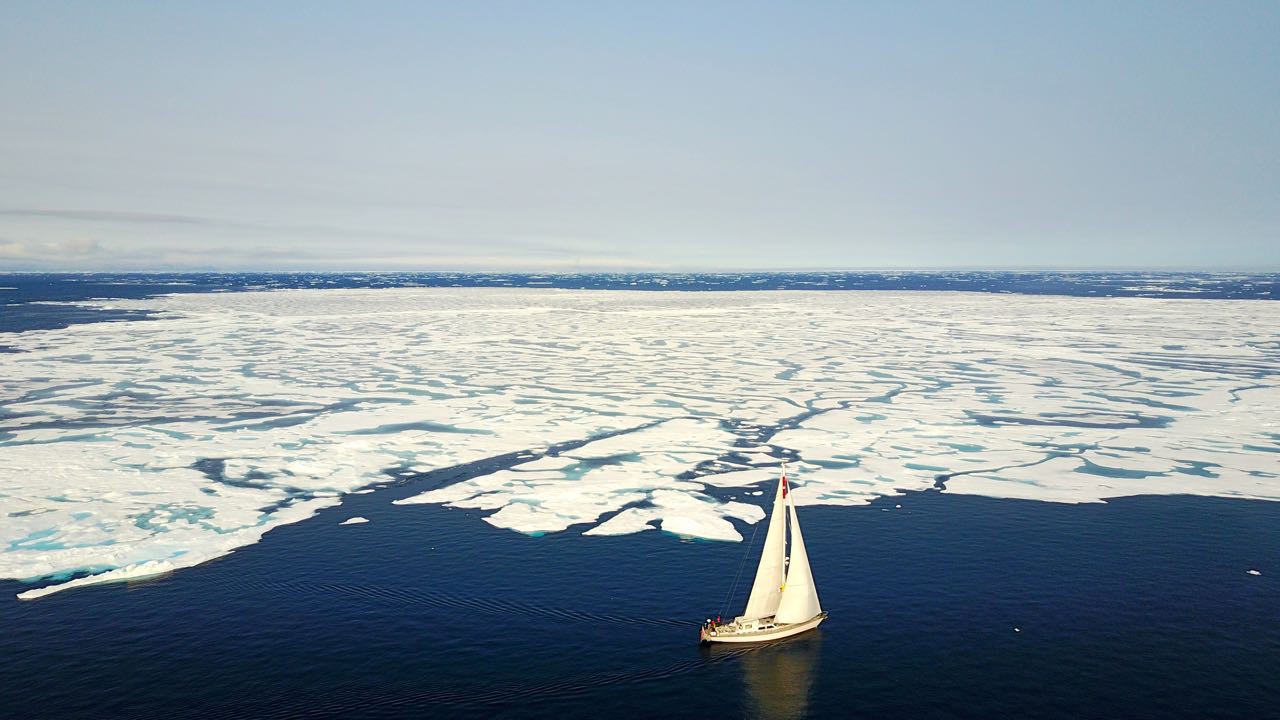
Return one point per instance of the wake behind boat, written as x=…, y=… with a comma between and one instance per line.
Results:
x=784, y=599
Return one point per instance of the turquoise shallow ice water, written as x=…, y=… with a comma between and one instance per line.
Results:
x=1139, y=607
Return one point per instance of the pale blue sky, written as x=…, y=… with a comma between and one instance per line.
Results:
x=639, y=135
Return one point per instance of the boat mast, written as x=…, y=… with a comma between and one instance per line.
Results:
x=766, y=591
x=799, y=596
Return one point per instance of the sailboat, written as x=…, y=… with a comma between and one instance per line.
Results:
x=784, y=599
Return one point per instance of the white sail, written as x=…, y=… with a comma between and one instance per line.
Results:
x=766, y=592
x=799, y=594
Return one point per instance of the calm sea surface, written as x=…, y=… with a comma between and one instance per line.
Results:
x=950, y=606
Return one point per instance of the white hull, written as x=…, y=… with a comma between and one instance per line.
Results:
x=732, y=634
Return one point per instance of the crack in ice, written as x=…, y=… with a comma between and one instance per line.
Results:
x=127, y=446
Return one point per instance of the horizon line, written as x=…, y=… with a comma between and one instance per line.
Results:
x=1270, y=269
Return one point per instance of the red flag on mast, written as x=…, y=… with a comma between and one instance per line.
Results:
x=784, y=484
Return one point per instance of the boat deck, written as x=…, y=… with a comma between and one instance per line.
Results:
x=761, y=630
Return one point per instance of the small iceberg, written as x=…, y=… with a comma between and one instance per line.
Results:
x=1251, y=571
x=135, y=571
x=354, y=520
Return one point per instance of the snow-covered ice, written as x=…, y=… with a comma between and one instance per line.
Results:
x=126, y=447
x=357, y=520
x=136, y=571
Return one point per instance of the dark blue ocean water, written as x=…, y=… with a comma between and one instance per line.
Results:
x=1136, y=608
x=1140, y=607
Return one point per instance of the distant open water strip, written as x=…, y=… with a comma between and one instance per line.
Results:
x=34, y=301
x=426, y=598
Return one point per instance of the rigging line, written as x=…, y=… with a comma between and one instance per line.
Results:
x=742, y=564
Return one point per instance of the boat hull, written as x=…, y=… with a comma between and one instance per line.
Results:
x=726, y=634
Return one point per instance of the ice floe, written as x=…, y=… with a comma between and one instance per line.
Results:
x=137, y=571
x=355, y=521
x=126, y=447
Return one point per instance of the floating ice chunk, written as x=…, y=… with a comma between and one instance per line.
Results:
x=129, y=572
x=742, y=478
x=710, y=528
x=631, y=520
x=548, y=463
x=354, y=521
x=185, y=545
x=691, y=516
x=1252, y=571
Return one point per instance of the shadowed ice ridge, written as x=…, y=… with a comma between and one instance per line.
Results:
x=133, y=448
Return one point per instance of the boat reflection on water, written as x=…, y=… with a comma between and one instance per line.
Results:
x=778, y=676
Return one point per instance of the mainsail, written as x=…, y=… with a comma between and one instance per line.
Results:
x=770, y=575
x=799, y=595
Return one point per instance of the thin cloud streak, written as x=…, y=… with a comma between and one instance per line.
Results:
x=116, y=216
x=36, y=251
x=534, y=245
